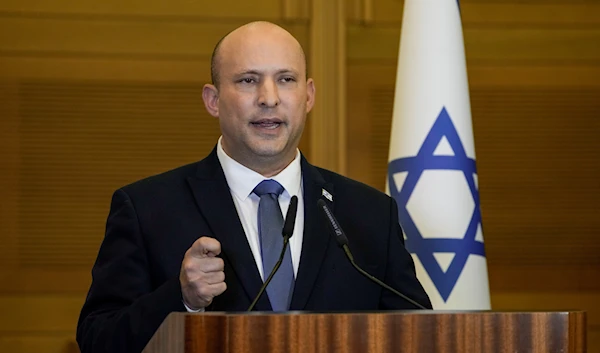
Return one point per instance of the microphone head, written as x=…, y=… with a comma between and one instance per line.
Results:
x=335, y=227
x=290, y=218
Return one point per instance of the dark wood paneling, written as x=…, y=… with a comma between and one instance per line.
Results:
x=179, y=9
x=505, y=12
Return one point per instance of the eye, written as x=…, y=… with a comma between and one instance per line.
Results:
x=247, y=80
x=288, y=79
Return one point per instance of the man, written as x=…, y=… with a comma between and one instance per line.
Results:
x=195, y=238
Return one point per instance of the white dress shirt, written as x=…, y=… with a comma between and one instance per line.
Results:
x=242, y=181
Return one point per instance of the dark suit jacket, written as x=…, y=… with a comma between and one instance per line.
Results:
x=154, y=221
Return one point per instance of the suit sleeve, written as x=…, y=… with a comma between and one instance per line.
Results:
x=123, y=309
x=400, y=270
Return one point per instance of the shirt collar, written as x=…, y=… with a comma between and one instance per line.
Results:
x=243, y=180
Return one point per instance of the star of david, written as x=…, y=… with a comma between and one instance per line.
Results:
x=425, y=248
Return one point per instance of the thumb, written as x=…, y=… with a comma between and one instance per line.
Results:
x=205, y=247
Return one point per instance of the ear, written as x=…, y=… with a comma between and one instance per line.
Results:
x=310, y=94
x=210, y=95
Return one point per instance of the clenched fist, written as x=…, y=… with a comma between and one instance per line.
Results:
x=202, y=277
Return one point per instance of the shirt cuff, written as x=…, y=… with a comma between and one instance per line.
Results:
x=190, y=310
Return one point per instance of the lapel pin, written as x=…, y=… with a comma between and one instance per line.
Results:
x=327, y=195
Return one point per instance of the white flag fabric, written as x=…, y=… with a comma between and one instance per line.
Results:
x=431, y=171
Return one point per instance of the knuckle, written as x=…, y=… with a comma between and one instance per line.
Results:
x=204, y=241
x=188, y=267
x=208, y=264
x=203, y=292
x=198, y=244
x=205, y=265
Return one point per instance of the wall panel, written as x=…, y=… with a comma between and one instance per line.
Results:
x=508, y=12
x=40, y=323
x=485, y=46
x=217, y=10
x=118, y=40
x=54, y=342
x=9, y=177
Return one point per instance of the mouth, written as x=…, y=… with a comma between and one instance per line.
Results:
x=269, y=124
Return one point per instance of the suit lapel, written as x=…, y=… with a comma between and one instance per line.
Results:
x=214, y=199
x=316, y=235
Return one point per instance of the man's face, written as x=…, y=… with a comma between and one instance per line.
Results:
x=263, y=97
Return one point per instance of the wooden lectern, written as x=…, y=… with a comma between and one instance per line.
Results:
x=406, y=331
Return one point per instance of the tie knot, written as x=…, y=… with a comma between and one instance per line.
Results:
x=269, y=186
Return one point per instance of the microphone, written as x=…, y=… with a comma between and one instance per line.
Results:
x=342, y=241
x=287, y=231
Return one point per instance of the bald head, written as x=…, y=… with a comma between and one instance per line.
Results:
x=248, y=35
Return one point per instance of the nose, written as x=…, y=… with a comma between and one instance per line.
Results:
x=268, y=94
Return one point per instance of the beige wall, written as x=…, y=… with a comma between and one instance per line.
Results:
x=94, y=95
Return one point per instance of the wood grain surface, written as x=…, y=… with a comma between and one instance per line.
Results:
x=426, y=331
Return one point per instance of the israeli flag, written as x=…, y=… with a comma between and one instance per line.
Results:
x=431, y=172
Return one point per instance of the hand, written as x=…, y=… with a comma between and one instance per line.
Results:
x=202, y=277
